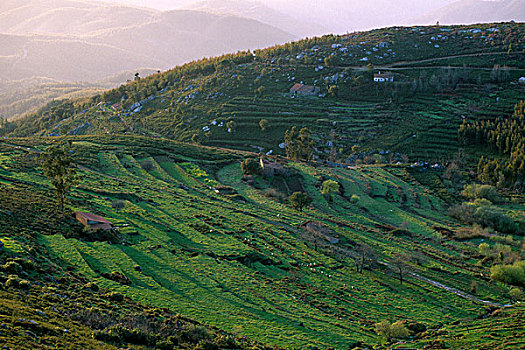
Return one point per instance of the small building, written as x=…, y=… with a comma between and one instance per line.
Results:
x=305, y=90
x=522, y=80
x=272, y=168
x=383, y=77
x=93, y=222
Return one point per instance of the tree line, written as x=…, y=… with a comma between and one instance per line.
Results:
x=507, y=136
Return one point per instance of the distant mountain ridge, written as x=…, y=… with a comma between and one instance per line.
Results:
x=476, y=11
x=79, y=41
x=259, y=12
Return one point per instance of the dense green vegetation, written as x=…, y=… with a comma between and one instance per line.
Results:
x=507, y=136
x=183, y=229
x=373, y=232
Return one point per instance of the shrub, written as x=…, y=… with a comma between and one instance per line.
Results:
x=120, y=335
x=195, y=334
x=463, y=212
x=495, y=218
x=147, y=165
x=330, y=187
x=24, y=284
x=263, y=123
x=484, y=249
x=165, y=345
x=485, y=215
x=92, y=286
x=118, y=204
x=250, y=166
x=475, y=231
x=114, y=296
x=300, y=200
x=12, y=281
x=12, y=267
x=510, y=274
x=391, y=331
x=207, y=345
x=475, y=191
x=273, y=193
x=355, y=199
x=517, y=294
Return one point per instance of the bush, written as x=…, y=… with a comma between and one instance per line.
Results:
x=195, y=334
x=12, y=267
x=114, y=296
x=120, y=335
x=147, y=165
x=24, y=284
x=355, y=199
x=92, y=286
x=475, y=231
x=485, y=215
x=263, y=123
x=510, y=274
x=13, y=281
x=330, y=187
x=300, y=200
x=165, y=345
x=495, y=218
x=273, y=193
x=118, y=204
x=250, y=166
x=484, y=249
x=463, y=212
x=391, y=331
x=517, y=294
x=475, y=191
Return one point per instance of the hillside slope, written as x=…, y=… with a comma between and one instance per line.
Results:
x=197, y=238
x=442, y=77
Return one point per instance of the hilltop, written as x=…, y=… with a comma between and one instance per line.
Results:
x=443, y=76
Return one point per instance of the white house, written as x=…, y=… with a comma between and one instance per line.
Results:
x=383, y=78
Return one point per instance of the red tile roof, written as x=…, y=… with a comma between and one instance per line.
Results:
x=303, y=88
x=96, y=218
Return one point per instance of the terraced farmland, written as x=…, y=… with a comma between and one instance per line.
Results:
x=250, y=268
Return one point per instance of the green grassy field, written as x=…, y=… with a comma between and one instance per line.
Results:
x=249, y=268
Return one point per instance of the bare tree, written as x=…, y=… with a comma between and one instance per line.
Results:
x=401, y=261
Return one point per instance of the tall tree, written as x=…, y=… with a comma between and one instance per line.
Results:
x=300, y=200
x=59, y=167
x=299, y=146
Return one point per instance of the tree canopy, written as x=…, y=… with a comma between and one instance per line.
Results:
x=59, y=167
x=299, y=146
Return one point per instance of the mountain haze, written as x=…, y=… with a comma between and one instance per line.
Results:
x=476, y=11
x=77, y=41
x=257, y=11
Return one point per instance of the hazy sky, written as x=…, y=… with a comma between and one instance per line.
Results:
x=336, y=16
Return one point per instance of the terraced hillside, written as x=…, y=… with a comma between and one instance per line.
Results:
x=197, y=238
x=443, y=75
